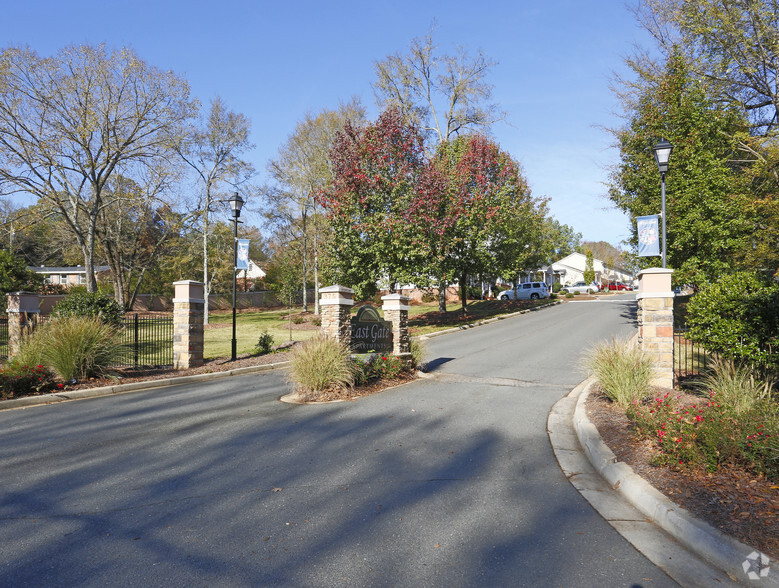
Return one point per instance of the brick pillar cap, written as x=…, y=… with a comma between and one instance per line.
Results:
x=395, y=302
x=656, y=270
x=188, y=290
x=396, y=297
x=23, y=301
x=336, y=289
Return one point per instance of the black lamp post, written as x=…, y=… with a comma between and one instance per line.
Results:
x=236, y=203
x=662, y=155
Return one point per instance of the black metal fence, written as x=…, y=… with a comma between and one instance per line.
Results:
x=690, y=358
x=147, y=341
x=3, y=337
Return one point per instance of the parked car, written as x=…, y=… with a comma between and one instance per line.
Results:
x=619, y=286
x=583, y=288
x=527, y=291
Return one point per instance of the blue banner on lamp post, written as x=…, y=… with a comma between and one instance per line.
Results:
x=648, y=236
x=242, y=257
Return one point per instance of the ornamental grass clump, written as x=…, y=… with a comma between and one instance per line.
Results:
x=623, y=371
x=76, y=348
x=319, y=364
x=735, y=385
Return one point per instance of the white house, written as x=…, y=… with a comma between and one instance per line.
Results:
x=254, y=272
x=68, y=276
x=570, y=269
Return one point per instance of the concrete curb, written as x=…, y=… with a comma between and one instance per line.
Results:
x=486, y=321
x=134, y=386
x=721, y=550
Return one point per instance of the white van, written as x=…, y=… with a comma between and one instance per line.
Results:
x=526, y=291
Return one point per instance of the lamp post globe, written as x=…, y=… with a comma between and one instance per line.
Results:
x=662, y=154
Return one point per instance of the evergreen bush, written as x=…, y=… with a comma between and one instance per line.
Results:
x=81, y=303
x=737, y=317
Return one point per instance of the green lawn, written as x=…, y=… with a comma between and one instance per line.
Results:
x=249, y=327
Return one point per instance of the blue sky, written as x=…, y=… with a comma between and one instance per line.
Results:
x=274, y=61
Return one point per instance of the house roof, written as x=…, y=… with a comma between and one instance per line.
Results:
x=577, y=261
x=79, y=269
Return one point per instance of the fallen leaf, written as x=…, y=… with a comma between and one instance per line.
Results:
x=277, y=490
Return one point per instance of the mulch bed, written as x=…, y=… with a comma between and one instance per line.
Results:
x=342, y=394
x=731, y=499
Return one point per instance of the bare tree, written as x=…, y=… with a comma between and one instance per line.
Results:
x=212, y=149
x=70, y=122
x=300, y=171
x=132, y=231
x=445, y=95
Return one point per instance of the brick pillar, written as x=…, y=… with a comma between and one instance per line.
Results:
x=188, y=305
x=395, y=309
x=335, y=307
x=656, y=322
x=22, y=317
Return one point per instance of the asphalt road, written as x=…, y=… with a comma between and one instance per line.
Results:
x=448, y=481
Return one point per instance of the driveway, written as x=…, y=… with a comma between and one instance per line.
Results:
x=447, y=481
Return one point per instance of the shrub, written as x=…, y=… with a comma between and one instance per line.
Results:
x=556, y=287
x=568, y=295
x=265, y=343
x=75, y=347
x=320, y=363
x=378, y=367
x=738, y=318
x=89, y=304
x=710, y=433
x=735, y=386
x=298, y=320
x=316, y=321
x=418, y=352
x=622, y=369
x=429, y=297
x=18, y=379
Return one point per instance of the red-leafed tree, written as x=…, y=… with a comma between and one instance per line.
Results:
x=395, y=213
x=375, y=173
x=469, y=209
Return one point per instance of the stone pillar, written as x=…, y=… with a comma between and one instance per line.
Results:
x=22, y=317
x=188, y=304
x=656, y=322
x=395, y=309
x=335, y=307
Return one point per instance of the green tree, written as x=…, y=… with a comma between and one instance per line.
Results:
x=733, y=51
x=469, y=211
x=706, y=225
x=14, y=276
x=375, y=173
x=69, y=123
x=589, y=269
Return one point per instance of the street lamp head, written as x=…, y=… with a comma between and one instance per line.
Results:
x=236, y=203
x=663, y=154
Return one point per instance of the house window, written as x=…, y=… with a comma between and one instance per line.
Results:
x=82, y=279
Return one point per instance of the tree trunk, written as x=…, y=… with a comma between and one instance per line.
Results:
x=305, y=266
x=442, y=285
x=463, y=292
x=316, y=274
x=205, y=261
